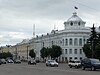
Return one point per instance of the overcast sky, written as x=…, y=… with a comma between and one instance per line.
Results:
x=17, y=17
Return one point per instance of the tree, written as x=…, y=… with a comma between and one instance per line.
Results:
x=56, y=51
x=43, y=52
x=91, y=49
x=5, y=55
x=32, y=53
x=87, y=50
x=97, y=52
x=53, y=52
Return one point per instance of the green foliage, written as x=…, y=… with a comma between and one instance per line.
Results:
x=97, y=52
x=92, y=48
x=54, y=52
x=5, y=55
x=87, y=50
x=32, y=53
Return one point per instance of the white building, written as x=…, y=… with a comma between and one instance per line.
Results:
x=71, y=39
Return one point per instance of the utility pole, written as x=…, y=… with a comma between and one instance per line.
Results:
x=27, y=51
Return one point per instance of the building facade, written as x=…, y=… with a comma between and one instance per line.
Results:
x=71, y=39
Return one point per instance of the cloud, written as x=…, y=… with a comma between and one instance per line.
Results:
x=17, y=17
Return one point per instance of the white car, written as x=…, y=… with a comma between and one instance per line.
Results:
x=74, y=63
x=51, y=63
x=10, y=61
x=31, y=61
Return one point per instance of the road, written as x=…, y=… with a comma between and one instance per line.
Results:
x=41, y=69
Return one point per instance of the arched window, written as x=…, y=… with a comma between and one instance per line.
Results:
x=63, y=42
x=52, y=42
x=71, y=23
x=80, y=42
x=75, y=42
x=79, y=23
x=70, y=41
x=66, y=43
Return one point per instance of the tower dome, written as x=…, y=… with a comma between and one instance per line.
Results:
x=74, y=22
x=74, y=18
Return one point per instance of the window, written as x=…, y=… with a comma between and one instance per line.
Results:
x=71, y=23
x=80, y=51
x=63, y=42
x=66, y=59
x=66, y=43
x=75, y=58
x=79, y=23
x=80, y=42
x=75, y=51
x=70, y=58
x=70, y=51
x=43, y=44
x=62, y=51
x=75, y=42
x=70, y=41
x=52, y=42
x=62, y=58
x=80, y=58
x=65, y=51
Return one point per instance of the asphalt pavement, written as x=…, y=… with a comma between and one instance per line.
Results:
x=42, y=69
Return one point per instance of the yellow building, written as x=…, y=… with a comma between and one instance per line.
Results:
x=22, y=49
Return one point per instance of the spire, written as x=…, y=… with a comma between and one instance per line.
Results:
x=33, y=30
x=75, y=8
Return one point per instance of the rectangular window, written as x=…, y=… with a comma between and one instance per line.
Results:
x=80, y=42
x=75, y=51
x=70, y=51
x=80, y=51
x=65, y=51
x=70, y=41
x=63, y=42
x=70, y=58
x=62, y=51
x=66, y=42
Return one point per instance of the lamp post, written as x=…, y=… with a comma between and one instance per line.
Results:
x=27, y=51
x=16, y=54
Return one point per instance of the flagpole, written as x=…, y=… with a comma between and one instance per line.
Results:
x=75, y=8
x=33, y=30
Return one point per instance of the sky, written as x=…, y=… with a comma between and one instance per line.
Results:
x=18, y=17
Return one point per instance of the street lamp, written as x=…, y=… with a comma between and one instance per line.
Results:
x=16, y=54
x=28, y=50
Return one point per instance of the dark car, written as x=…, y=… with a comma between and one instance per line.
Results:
x=93, y=64
x=17, y=61
x=3, y=61
x=51, y=63
x=0, y=62
x=32, y=61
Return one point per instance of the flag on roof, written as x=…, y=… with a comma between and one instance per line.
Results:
x=75, y=7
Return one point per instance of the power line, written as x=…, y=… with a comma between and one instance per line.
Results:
x=80, y=3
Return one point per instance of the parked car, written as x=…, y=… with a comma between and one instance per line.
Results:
x=10, y=61
x=3, y=61
x=0, y=62
x=17, y=61
x=51, y=63
x=93, y=64
x=74, y=63
x=32, y=61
